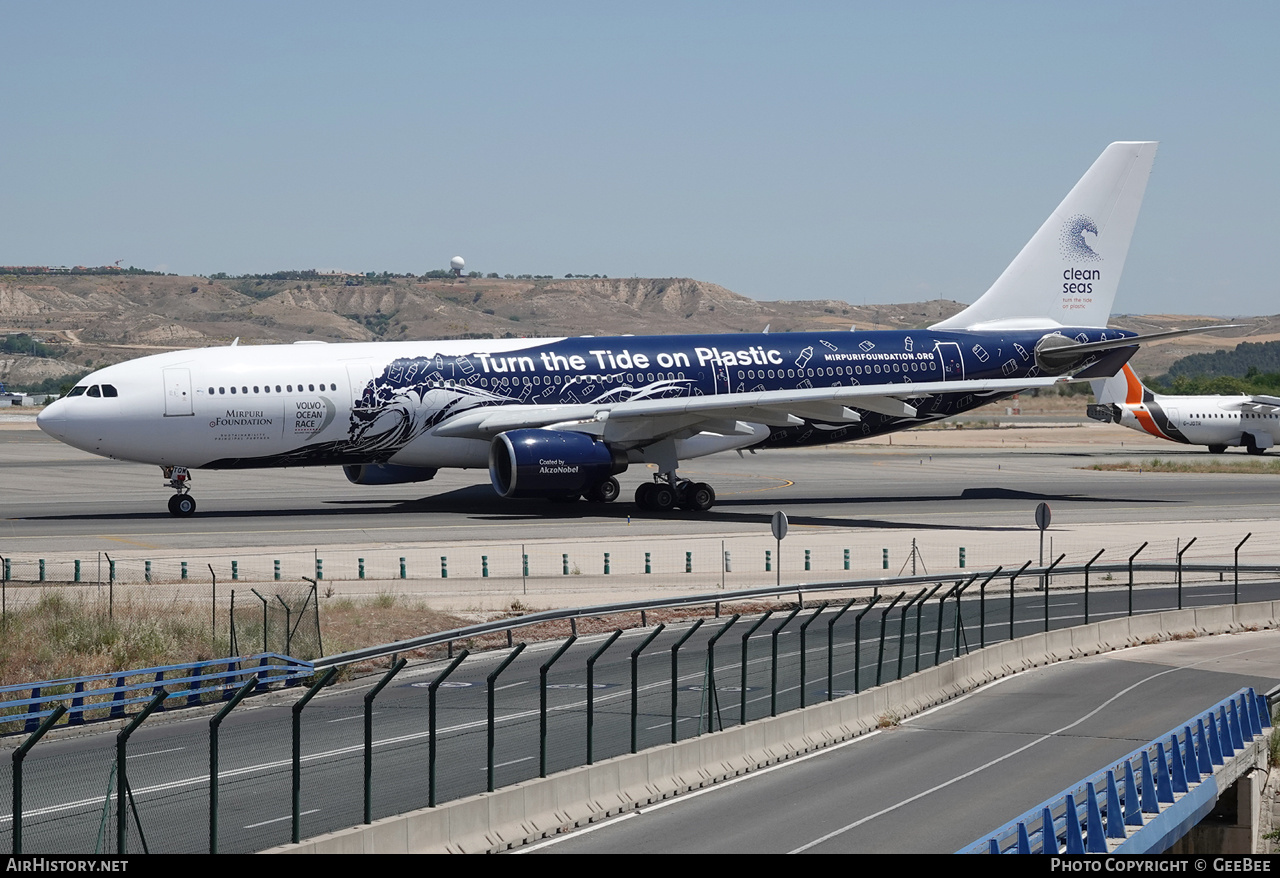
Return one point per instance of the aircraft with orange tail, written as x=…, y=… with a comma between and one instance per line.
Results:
x=1220, y=422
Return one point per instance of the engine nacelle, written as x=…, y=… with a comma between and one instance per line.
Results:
x=387, y=473
x=543, y=463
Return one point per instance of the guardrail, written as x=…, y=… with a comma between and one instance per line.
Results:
x=1146, y=800
x=191, y=682
x=961, y=582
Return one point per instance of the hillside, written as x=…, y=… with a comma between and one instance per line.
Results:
x=93, y=320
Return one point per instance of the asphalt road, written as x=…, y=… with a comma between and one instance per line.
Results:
x=68, y=780
x=942, y=779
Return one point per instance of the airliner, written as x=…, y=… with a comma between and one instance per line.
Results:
x=561, y=418
x=1216, y=421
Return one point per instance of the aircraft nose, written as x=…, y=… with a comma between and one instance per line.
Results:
x=52, y=418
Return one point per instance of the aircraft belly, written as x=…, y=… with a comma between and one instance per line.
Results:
x=443, y=451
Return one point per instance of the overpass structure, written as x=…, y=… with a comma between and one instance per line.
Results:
x=536, y=809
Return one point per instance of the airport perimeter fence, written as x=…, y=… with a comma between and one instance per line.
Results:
x=551, y=568
x=672, y=669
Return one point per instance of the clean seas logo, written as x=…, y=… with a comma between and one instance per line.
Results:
x=1073, y=240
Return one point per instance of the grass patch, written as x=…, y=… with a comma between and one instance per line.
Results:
x=1261, y=466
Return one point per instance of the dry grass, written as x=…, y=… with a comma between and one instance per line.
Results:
x=1250, y=466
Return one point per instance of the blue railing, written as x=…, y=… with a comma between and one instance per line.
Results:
x=192, y=682
x=1163, y=788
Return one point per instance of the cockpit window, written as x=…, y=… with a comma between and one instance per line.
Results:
x=95, y=391
x=77, y=391
x=109, y=390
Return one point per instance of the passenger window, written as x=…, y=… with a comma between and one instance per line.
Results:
x=211, y=391
x=222, y=390
x=255, y=388
x=233, y=390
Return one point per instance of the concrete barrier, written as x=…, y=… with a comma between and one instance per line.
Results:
x=542, y=807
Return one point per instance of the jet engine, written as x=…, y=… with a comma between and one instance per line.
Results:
x=387, y=473
x=546, y=463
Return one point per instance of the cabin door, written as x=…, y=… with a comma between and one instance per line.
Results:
x=177, y=393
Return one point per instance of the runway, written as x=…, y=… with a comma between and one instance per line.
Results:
x=53, y=492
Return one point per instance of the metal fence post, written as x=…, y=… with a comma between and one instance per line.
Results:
x=982, y=607
x=1131, y=557
x=123, y=793
x=18, y=756
x=902, y=628
x=709, y=690
x=432, y=688
x=1013, y=579
x=1235, y=594
x=1180, y=554
x=773, y=672
x=959, y=626
x=542, y=703
x=804, y=631
x=214, y=724
x=937, y=641
x=919, y=615
x=831, y=648
x=635, y=683
x=1046, y=574
x=746, y=637
x=675, y=669
x=490, y=681
x=368, y=736
x=1086, y=583
x=297, y=749
x=591, y=695
x=857, y=643
x=884, y=617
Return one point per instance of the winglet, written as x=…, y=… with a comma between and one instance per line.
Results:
x=1067, y=274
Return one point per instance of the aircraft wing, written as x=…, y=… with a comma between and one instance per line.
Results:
x=1259, y=403
x=643, y=420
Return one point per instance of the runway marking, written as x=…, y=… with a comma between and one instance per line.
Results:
x=279, y=819
x=155, y=753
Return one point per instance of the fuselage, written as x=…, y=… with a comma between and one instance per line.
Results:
x=328, y=404
x=1202, y=420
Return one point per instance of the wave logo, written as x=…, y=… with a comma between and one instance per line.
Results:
x=1073, y=240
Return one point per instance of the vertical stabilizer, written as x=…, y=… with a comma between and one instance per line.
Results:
x=1068, y=272
x=1124, y=387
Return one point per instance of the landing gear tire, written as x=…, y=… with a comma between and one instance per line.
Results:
x=699, y=497
x=1217, y=449
x=182, y=505
x=662, y=498
x=644, y=495
x=604, y=492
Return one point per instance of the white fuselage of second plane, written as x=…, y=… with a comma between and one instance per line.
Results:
x=1217, y=421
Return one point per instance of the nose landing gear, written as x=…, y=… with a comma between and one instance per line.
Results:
x=181, y=504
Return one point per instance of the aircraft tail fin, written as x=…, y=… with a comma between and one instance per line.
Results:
x=1123, y=387
x=1067, y=274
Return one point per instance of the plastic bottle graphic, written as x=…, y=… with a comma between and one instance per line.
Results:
x=804, y=356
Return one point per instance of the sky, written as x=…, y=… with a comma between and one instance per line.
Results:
x=865, y=152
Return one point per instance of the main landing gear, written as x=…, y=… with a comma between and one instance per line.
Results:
x=661, y=496
x=181, y=504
